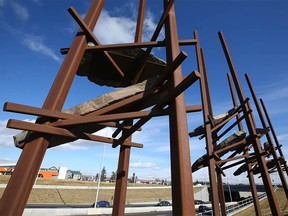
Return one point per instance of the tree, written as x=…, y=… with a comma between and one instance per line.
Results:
x=103, y=175
x=113, y=177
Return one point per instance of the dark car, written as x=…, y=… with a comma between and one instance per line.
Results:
x=198, y=202
x=164, y=203
x=102, y=203
x=205, y=209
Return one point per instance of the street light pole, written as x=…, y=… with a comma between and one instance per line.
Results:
x=99, y=176
x=229, y=190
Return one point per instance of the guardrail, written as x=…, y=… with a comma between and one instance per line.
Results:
x=240, y=205
x=244, y=203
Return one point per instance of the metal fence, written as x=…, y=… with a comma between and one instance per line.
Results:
x=232, y=209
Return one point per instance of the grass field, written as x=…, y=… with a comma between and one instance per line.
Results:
x=87, y=196
x=265, y=208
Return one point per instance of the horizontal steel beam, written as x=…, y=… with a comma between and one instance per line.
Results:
x=47, y=129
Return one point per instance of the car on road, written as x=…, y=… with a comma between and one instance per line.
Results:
x=102, y=203
x=164, y=203
x=205, y=209
x=198, y=202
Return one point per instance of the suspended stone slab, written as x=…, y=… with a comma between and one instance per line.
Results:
x=97, y=68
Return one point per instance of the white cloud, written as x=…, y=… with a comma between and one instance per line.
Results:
x=85, y=144
x=114, y=29
x=119, y=29
x=35, y=43
x=142, y=165
x=283, y=137
x=7, y=161
x=6, y=135
x=20, y=11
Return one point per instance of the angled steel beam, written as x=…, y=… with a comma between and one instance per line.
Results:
x=274, y=135
x=90, y=35
x=140, y=63
x=189, y=80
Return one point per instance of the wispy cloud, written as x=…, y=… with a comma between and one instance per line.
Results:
x=7, y=161
x=36, y=44
x=84, y=144
x=20, y=11
x=149, y=165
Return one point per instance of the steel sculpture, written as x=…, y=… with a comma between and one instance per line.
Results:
x=148, y=82
x=126, y=65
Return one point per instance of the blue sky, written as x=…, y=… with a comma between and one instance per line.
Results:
x=33, y=31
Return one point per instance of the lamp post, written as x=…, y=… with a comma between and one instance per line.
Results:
x=99, y=176
x=229, y=189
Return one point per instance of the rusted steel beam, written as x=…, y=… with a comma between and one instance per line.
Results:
x=46, y=129
x=222, y=124
x=90, y=35
x=30, y=110
x=268, y=137
x=140, y=21
x=208, y=132
x=246, y=150
x=181, y=87
x=24, y=109
x=17, y=191
x=182, y=184
x=121, y=181
x=119, y=116
x=234, y=124
x=231, y=159
x=189, y=109
x=227, y=148
x=140, y=63
x=189, y=80
x=124, y=155
x=278, y=146
x=219, y=171
x=108, y=47
x=144, y=95
x=251, y=127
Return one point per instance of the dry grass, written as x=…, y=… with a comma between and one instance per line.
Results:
x=265, y=208
x=87, y=196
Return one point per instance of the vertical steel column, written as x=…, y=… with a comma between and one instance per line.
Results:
x=249, y=167
x=274, y=135
x=121, y=181
x=21, y=182
x=214, y=142
x=124, y=155
x=208, y=133
x=273, y=151
x=251, y=127
x=182, y=186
